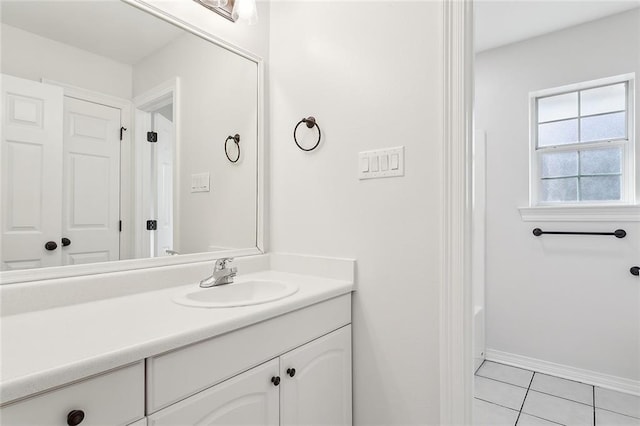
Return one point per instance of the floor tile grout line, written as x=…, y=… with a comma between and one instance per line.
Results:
x=538, y=391
x=493, y=403
x=501, y=381
x=525, y=398
x=478, y=369
x=561, y=397
x=593, y=388
x=617, y=412
x=593, y=405
x=537, y=372
x=542, y=418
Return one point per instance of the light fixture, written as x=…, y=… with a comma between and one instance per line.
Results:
x=215, y=3
x=245, y=11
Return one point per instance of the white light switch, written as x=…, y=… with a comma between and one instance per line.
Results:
x=364, y=164
x=200, y=182
x=375, y=163
x=395, y=161
x=384, y=162
x=381, y=163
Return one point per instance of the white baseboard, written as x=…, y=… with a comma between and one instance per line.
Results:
x=572, y=373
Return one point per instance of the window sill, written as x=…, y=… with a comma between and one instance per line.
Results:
x=621, y=213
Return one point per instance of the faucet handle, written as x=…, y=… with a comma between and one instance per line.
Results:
x=222, y=263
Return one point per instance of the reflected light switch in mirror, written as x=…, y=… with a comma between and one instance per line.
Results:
x=200, y=182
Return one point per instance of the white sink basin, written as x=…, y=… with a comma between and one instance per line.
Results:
x=237, y=294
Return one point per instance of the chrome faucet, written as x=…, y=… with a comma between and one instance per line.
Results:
x=221, y=274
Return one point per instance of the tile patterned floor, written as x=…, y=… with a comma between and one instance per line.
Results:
x=511, y=396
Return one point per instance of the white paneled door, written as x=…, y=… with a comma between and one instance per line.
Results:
x=31, y=173
x=60, y=177
x=91, y=190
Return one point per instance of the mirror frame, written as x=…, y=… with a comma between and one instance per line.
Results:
x=40, y=274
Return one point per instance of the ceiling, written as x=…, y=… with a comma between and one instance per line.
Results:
x=107, y=28
x=498, y=23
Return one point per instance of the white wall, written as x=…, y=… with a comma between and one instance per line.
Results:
x=218, y=98
x=370, y=72
x=561, y=299
x=33, y=57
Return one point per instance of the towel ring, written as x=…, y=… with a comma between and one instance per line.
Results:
x=236, y=140
x=311, y=123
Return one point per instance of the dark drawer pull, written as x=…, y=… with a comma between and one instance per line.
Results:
x=75, y=417
x=635, y=270
x=275, y=380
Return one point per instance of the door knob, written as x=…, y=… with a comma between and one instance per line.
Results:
x=635, y=270
x=291, y=372
x=275, y=380
x=51, y=245
x=66, y=242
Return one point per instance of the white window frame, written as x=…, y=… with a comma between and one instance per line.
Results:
x=628, y=175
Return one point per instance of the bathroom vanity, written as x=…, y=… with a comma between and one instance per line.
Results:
x=145, y=359
x=100, y=327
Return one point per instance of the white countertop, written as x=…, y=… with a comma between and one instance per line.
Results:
x=47, y=348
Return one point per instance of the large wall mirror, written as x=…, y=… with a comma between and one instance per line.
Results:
x=119, y=139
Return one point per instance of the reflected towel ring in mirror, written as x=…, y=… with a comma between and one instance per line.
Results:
x=311, y=123
x=236, y=139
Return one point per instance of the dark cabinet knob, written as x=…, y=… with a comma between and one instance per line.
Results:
x=51, y=245
x=66, y=242
x=275, y=380
x=291, y=372
x=75, y=417
x=635, y=270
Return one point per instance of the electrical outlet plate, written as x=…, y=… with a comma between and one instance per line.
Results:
x=381, y=163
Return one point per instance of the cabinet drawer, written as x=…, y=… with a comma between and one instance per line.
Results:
x=114, y=398
x=178, y=374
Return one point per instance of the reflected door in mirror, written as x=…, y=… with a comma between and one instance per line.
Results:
x=31, y=173
x=91, y=191
x=60, y=178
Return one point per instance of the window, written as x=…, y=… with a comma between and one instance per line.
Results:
x=582, y=144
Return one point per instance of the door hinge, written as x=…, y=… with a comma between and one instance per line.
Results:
x=152, y=137
x=122, y=130
x=120, y=226
x=152, y=225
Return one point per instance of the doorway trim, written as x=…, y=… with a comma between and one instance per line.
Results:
x=164, y=93
x=456, y=360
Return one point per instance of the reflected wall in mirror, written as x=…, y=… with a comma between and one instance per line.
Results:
x=113, y=137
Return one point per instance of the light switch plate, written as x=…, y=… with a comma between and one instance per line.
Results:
x=200, y=182
x=388, y=162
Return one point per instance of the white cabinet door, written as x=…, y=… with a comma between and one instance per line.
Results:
x=31, y=173
x=319, y=391
x=91, y=191
x=249, y=399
